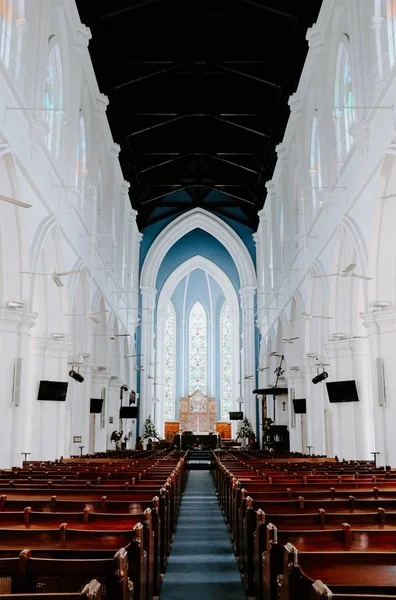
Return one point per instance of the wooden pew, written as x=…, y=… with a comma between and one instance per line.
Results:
x=88, y=540
x=91, y=591
x=361, y=573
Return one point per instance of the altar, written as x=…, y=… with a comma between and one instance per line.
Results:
x=198, y=413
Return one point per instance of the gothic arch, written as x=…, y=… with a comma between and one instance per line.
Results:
x=198, y=219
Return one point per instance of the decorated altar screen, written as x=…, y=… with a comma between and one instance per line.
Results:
x=198, y=413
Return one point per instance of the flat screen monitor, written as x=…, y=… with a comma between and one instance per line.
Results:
x=342, y=391
x=95, y=405
x=236, y=416
x=52, y=390
x=300, y=406
x=128, y=412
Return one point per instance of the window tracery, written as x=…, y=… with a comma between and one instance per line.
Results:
x=198, y=344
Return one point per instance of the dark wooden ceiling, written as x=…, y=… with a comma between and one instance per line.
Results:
x=198, y=94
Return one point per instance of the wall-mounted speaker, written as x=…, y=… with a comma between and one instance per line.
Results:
x=16, y=384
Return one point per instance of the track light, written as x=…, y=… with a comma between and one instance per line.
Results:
x=75, y=375
x=320, y=377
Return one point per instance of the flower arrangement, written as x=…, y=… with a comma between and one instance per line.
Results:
x=149, y=429
x=116, y=438
x=245, y=429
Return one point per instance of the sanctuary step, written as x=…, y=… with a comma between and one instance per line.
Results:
x=199, y=459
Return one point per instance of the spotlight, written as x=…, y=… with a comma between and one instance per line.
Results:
x=124, y=388
x=320, y=377
x=75, y=375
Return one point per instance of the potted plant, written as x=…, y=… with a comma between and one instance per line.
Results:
x=116, y=438
x=149, y=430
x=244, y=431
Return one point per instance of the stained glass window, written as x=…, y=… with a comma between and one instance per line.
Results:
x=315, y=166
x=198, y=345
x=53, y=100
x=5, y=30
x=391, y=29
x=226, y=361
x=345, y=101
x=81, y=153
x=170, y=362
x=271, y=263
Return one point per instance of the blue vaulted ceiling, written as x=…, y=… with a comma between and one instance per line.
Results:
x=197, y=242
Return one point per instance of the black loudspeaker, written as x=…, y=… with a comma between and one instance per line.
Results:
x=95, y=405
x=300, y=406
x=129, y=412
x=236, y=416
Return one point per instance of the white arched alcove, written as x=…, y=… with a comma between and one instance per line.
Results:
x=196, y=262
x=181, y=226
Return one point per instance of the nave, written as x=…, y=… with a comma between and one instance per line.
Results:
x=201, y=564
x=141, y=525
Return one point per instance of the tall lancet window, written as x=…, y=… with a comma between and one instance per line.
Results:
x=391, y=29
x=170, y=362
x=315, y=165
x=53, y=100
x=198, y=349
x=5, y=31
x=344, y=100
x=81, y=153
x=226, y=361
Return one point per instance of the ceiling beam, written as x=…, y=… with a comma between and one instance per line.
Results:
x=121, y=11
x=144, y=77
x=276, y=11
x=248, y=76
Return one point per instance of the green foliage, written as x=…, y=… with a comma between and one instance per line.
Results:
x=149, y=429
x=244, y=429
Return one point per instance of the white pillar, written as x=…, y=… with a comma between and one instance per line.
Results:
x=381, y=327
x=247, y=295
x=147, y=349
x=99, y=389
x=45, y=429
x=352, y=421
x=15, y=326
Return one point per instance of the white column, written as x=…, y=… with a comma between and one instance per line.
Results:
x=247, y=295
x=296, y=423
x=45, y=429
x=376, y=26
x=381, y=327
x=78, y=399
x=352, y=421
x=15, y=327
x=100, y=382
x=113, y=410
x=147, y=349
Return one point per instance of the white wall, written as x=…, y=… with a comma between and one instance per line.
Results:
x=70, y=207
x=350, y=219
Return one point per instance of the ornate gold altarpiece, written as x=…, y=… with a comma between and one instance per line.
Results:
x=198, y=413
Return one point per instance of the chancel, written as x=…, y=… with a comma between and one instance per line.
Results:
x=197, y=299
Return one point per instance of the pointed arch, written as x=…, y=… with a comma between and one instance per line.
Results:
x=198, y=219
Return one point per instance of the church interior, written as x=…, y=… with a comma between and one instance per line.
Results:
x=197, y=299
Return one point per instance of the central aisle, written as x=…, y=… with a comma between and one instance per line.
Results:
x=202, y=565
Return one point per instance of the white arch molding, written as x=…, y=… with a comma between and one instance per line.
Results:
x=196, y=262
x=181, y=226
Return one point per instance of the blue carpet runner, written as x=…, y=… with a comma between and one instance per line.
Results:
x=201, y=565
